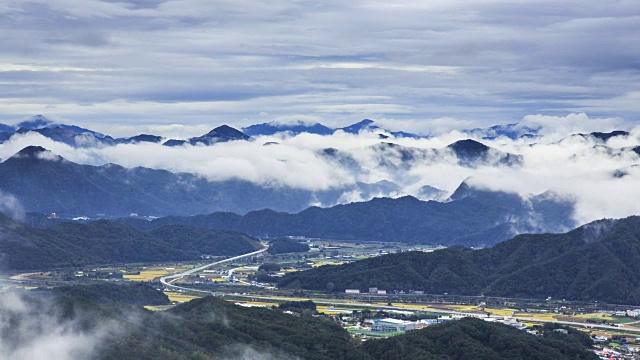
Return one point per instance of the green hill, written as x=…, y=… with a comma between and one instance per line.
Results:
x=598, y=261
x=476, y=339
x=105, y=293
x=72, y=244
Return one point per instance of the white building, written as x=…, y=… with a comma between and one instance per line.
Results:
x=392, y=325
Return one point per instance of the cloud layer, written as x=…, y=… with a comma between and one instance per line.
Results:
x=603, y=177
x=100, y=63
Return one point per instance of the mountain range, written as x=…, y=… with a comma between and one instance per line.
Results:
x=297, y=128
x=597, y=261
x=472, y=217
x=41, y=181
x=81, y=137
x=45, y=182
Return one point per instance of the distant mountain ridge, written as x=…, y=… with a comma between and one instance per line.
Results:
x=294, y=128
x=80, y=137
x=597, y=261
x=467, y=153
x=473, y=218
x=222, y=133
x=45, y=182
x=297, y=128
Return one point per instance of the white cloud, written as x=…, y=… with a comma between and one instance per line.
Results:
x=575, y=167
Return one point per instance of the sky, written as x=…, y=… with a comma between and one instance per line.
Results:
x=412, y=65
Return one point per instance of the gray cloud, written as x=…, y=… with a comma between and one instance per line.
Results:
x=202, y=62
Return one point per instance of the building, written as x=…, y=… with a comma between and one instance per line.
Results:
x=392, y=325
x=373, y=290
x=425, y=322
x=352, y=291
x=382, y=292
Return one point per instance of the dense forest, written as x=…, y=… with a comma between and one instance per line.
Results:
x=73, y=244
x=211, y=328
x=597, y=261
x=105, y=293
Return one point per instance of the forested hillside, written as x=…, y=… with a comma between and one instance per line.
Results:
x=476, y=339
x=597, y=261
x=72, y=244
x=473, y=218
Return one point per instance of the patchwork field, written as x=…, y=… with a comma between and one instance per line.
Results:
x=146, y=275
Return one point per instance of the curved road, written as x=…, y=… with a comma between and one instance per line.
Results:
x=175, y=277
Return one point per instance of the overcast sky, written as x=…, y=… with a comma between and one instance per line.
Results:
x=205, y=62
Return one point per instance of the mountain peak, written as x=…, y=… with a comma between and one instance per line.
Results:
x=227, y=133
x=468, y=146
x=365, y=122
x=462, y=191
x=34, y=153
x=359, y=126
x=222, y=133
x=226, y=130
x=31, y=151
x=295, y=128
x=605, y=136
x=36, y=122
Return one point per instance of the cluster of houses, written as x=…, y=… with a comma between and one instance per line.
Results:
x=630, y=313
x=625, y=353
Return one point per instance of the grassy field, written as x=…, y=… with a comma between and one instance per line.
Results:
x=327, y=262
x=325, y=310
x=501, y=312
x=178, y=297
x=598, y=318
x=462, y=308
x=146, y=275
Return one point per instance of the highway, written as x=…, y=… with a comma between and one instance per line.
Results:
x=169, y=279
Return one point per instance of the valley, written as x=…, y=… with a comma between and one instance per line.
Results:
x=319, y=180
x=377, y=261
x=239, y=281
